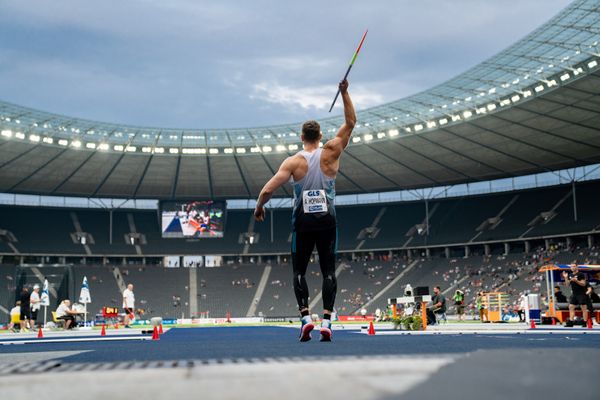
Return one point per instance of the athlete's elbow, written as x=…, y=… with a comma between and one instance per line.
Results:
x=351, y=123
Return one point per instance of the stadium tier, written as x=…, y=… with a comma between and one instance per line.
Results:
x=474, y=220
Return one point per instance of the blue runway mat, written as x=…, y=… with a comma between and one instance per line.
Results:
x=263, y=342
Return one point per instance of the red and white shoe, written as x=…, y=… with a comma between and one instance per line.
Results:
x=305, y=331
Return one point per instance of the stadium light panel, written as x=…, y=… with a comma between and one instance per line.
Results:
x=103, y=146
x=228, y=151
x=592, y=64
x=368, y=137
x=280, y=147
x=467, y=114
x=267, y=149
x=356, y=139
x=159, y=150
x=293, y=147
x=213, y=151
x=408, y=129
x=515, y=98
x=418, y=127
x=131, y=149
x=146, y=149
x=481, y=110
x=174, y=150
x=443, y=121
x=527, y=93
x=20, y=135
x=255, y=149
x=539, y=88
x=90, y=145
x=431, y=124
x=240, y=150
x=7, y=133
x=63, y=142
x=564, y=77
x=455, y=118
x=34, y=138
x=505, y=102
x=380, y=135
x=118, y=147
x=48, y=140
x=552, y=83
x=491, y=106
x=393, y=132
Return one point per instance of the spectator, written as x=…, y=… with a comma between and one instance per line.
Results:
x=578, y=283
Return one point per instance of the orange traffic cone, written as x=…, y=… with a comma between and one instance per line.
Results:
x=532, y=324
x=103, y=332
x=371, y=329
x=40, y=333
x=155, y=334
x=160, y=329
x=589, y=324
x=117, y=325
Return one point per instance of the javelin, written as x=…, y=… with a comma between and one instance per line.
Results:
x=349, y=67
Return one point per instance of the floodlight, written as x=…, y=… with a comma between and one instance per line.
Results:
x=368, y=137
x=34, y=138
x=240, y=150
x=103, y=146
x=118, y=147
x=267, y=149
x=63, y=142
x=90, y=145
x=393, y=132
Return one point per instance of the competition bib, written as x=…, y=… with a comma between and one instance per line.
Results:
x=314, y=201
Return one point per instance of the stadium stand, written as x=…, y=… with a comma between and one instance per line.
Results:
x=455, y=221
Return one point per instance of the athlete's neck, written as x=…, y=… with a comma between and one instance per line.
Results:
x=310, y=146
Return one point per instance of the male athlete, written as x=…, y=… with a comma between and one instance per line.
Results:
x=312, y=173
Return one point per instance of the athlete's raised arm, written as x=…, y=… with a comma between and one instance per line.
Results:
x=280, y=178
x=342, y=138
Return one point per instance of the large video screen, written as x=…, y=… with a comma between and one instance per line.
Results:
x=193, y=219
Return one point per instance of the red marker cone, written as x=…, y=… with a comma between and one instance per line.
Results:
x=371, y=329
x=117, y=325
x=532, y=324
x=589, y=324
x=553, y=321
x=160, y=329
x=155, y=334
x=103, y=332
x=228, y=317
x=40, y=333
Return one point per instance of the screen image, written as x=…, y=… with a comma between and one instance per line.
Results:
x=193, y=219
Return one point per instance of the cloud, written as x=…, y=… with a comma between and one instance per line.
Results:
x=312, y=97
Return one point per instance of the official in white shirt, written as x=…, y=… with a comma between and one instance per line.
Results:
x=128, y=305
x=34, y=304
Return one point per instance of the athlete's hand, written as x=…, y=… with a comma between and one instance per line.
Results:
x=259, y=213
x=343, y=86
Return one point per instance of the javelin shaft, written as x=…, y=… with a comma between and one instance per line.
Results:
x=349, y=68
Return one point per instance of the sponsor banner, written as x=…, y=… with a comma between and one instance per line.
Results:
x=357, y=318
x=169, y=321
x=281, y=319
x=206, y=321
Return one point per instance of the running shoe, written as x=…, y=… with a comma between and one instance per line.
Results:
x=305, y=330
x=326, y=332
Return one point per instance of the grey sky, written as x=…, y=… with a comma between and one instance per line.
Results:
x=201, y=64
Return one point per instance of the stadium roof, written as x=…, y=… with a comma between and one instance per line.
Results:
x=533, y=107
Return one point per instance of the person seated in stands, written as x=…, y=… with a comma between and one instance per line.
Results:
x=438, y=306
x=15, y=317
x=65, y=313
x=559, y=295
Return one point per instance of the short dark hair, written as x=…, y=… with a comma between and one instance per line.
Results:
x=311, y=131
x=438, y=288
